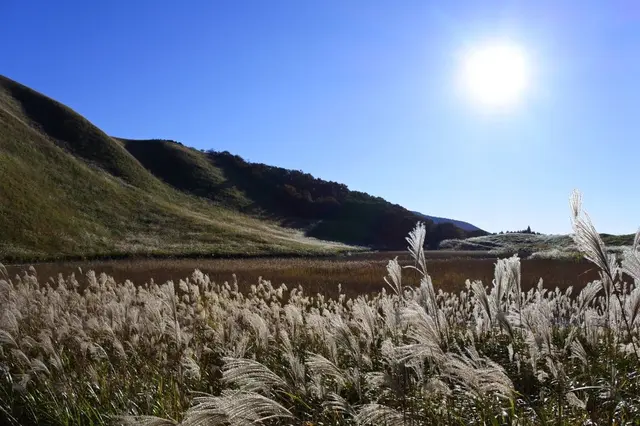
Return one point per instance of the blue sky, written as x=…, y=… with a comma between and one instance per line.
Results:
x=363, y=93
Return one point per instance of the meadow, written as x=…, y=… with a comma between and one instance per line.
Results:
x=390, y=347
x=357, y=274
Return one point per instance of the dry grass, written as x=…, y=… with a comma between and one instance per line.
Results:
x=192, y=352
x=358, y=274
x=96, y=351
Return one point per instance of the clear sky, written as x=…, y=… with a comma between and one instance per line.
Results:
x=363, y=93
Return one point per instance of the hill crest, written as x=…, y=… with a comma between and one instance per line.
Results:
x=466, y=226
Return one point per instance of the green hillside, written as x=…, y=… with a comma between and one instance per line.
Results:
x=323, y=209
x=67, y=189
x=187, y=170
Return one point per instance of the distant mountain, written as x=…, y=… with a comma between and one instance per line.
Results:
x=68, y=189
x=460, y=224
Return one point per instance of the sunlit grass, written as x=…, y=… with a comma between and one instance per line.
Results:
x=92, y=350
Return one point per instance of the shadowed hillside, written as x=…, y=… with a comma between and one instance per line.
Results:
x=324, y=209
x=460, y=224
x=71, y=132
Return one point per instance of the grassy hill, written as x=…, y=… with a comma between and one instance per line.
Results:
x=67, y=189
x=323, y=209
x=465, y=226
x=527, y=244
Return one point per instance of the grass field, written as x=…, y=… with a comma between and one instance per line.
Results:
x=425, y=348
x=358, y=274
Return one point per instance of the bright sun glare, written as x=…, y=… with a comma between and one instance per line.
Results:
x=495, y=75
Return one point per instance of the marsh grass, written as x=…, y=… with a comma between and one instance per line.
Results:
x=88, y=349
x=357, y=274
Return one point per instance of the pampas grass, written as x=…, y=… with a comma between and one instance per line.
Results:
x=88, y=350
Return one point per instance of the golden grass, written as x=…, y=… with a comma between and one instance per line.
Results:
x=358, y=274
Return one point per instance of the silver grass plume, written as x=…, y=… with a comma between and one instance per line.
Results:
x=346, y=339
x=436, y=386
x=37, y=366
x=4, y=275
x=428, y=298
x=259, y=327
x=395, y=274
x=296, y=370
x=574, y=401
x=378, y=414
x=631, y=260
x=578, y=352
x=7, y=339
x=365, y=319
x=591, y=245
x=633, y=305
x=337, y=404
x=190, y=368
x=507, y=283
x=416, y=241
x=586, y=296
x=588, y=241
x=320, y=366
x=479, y=376
x=251, y=376
x=376, y=380
x=143, y=421
x=423, y=332
x=234, y=409
x=503, y=320
x=481, y=295
x=501, y=283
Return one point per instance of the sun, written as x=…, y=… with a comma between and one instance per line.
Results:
x=495, y=75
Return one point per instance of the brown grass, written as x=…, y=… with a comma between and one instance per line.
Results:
x=361, y=273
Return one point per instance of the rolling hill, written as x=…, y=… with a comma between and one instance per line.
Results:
x=465, y=226
x=526, y=244
x=68, y=189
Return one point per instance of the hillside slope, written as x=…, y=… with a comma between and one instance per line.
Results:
x=323, y=209
x=465, y=226
x=525, y=243
x=67, y=189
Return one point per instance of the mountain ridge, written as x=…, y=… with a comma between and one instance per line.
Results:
x=466, y=226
